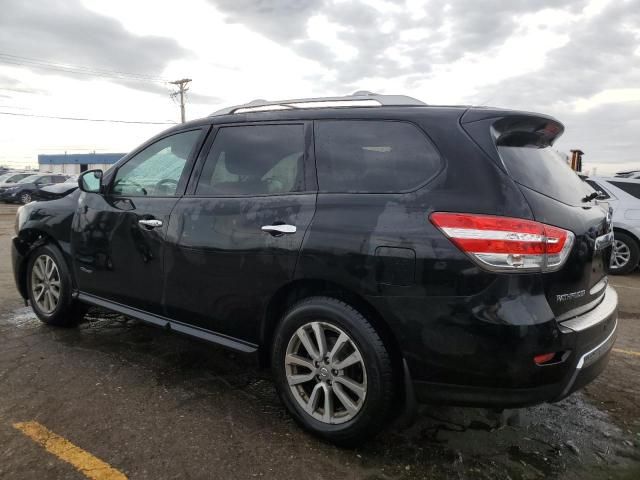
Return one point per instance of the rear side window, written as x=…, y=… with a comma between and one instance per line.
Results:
x=254, y=160
x=545, y=171
x=358, y=156
x=630, y=188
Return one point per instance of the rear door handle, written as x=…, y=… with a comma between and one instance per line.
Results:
x=151, y=223
x=279, y=229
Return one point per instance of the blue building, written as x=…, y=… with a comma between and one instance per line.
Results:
x=76, y=163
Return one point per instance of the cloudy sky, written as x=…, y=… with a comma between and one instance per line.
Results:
x=576, y=59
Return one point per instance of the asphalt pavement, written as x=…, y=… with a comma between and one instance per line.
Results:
x=117, y=399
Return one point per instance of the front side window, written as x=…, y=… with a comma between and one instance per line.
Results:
x=372, y=156
x=156, y=170
x=254, y=160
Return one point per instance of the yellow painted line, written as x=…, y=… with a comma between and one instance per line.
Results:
x=90, y=466
x=627, y=352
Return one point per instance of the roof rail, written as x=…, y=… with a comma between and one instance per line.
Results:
x=360, y=98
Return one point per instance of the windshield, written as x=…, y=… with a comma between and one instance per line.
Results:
x=30, y=179
x=72, y=179
x=12, y=177
x=545, y=171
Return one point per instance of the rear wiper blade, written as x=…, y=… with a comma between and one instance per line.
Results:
x=592, y=196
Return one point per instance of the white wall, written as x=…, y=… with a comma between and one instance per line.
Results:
x=68, y=168
x=72, y=168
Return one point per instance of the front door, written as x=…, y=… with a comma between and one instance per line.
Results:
x=234, y=238
x=118, y=237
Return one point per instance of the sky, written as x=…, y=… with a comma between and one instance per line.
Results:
x=578, y=60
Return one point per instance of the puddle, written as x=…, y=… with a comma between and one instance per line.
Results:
x=22, y=318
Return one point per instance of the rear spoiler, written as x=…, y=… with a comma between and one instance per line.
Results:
x=490, y=128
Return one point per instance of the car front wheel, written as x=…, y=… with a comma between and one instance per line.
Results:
x=49, y=288
x=333, y=371
x=25, y=198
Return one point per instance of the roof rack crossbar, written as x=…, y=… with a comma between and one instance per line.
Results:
x=358, y=99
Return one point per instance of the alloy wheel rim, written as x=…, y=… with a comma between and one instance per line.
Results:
x=45, y=284
x=620, y=255
x=326, y=373
x=26, y=198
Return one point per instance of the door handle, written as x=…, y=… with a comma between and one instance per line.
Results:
x=279, y=229
x=151, y=223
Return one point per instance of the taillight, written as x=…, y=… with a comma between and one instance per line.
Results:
x=506, y=244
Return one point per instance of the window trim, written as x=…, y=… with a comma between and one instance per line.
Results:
x=439, y=170
x=308, y=160
x=184, y=176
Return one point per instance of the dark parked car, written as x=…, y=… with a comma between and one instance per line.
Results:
x=372, y=250
x=57, y=190
x=23, y=191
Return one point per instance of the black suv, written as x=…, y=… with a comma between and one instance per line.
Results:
x=372, y=249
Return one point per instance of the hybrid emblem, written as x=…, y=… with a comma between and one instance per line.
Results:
x=570, y=296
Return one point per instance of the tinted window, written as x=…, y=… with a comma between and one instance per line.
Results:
x=157, y=169
x=545, y=171
x=603, y=193
x=30, y=179
x=372, y=156
x=630, y=188
x=17, y=178
x=254, y=160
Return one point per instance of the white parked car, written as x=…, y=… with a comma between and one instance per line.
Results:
x=9, y=179
x=623, y=194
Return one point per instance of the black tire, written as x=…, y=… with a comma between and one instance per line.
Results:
x=67, y=312
x=634, y=254
x=375, y=409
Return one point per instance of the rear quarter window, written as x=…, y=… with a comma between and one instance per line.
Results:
x=373, y=156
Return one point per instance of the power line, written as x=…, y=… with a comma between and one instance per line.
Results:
x=78, y=69
x=85, y=119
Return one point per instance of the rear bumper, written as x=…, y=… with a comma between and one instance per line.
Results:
x=589, y=365
x=473, y=360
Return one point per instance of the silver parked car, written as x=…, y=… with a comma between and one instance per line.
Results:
x=623, y=194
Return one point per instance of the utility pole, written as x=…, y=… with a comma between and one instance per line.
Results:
x=182, y=89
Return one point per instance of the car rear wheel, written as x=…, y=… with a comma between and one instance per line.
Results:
x=332, y=371
x=25, y=198
x=49, y=288
x=625, y=254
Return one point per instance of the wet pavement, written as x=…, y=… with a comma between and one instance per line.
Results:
x=157, y=405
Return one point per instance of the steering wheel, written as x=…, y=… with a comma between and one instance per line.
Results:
x=166, y=181
x=127, y=182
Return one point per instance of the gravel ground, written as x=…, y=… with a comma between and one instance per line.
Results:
x=156, y=405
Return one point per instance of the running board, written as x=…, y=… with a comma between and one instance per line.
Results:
x=163, y=322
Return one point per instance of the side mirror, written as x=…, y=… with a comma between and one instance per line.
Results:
x=91, y=181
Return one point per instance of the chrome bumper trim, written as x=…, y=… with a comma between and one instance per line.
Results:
x=604, y=310
x=595, y=353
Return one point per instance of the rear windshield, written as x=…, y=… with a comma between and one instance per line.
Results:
x=545, y=171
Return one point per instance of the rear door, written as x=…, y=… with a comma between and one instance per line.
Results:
x=557, y=196
x=234, y=238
